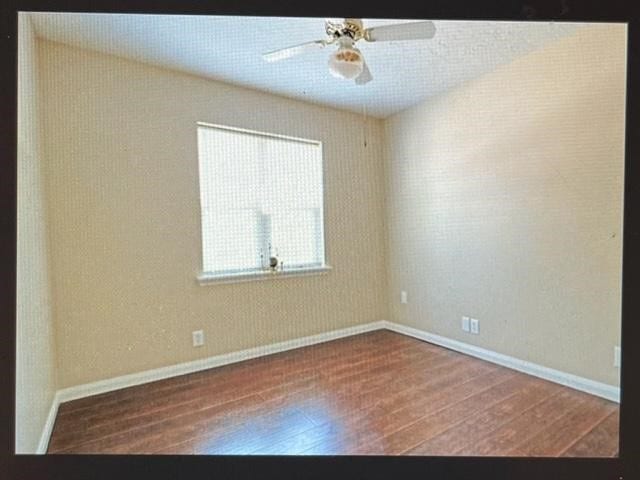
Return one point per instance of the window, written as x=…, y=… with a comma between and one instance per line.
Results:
x=261, y=196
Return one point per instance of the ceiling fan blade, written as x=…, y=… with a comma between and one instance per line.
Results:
x=401, y=31
x=365, y=75
x=292, y=51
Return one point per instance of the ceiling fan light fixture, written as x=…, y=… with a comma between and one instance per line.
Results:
x=346, y=62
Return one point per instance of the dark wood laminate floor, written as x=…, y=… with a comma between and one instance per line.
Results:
x=375, y=393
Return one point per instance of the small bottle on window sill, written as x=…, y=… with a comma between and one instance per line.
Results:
x=273, y=264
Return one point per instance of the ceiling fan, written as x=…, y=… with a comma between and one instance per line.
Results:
x=347, y=61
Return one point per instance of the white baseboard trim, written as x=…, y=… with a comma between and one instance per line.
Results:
x=48, y=426
x=103, y=386
x=609, y=392
x=603, y=390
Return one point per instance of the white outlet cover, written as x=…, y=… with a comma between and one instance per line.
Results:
x=616, y=357
x=198, y=338
x=465, y=324
x=475, y=325
x=403, y=297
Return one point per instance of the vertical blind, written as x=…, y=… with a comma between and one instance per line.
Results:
x=260, y=195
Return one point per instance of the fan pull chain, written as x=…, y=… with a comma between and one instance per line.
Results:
x=365, y=125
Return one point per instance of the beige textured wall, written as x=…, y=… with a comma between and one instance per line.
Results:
x=505, y=204
x=122, y=188
x=35, y=360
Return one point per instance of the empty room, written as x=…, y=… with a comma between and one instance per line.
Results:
x=245, y=235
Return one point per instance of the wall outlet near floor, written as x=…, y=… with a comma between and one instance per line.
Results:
x=465, y=324
x=198, y=338
x=403, y=297
x=616, y=356
x=475, y=325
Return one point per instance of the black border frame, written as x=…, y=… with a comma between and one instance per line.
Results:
x=626, y=467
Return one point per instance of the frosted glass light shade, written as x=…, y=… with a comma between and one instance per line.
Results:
x=346, y=62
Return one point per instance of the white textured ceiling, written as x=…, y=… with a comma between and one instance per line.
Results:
x=229, y=49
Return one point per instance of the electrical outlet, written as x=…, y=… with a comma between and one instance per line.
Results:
x=403, y=297
x=616, y=356
x=465, y=324
x=198, y=338
x=475, y=325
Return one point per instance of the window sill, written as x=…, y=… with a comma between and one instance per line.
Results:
x=210, y=278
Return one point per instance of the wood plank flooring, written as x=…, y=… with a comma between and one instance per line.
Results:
x=379, y=393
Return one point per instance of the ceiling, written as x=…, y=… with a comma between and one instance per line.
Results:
x=229, y=48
